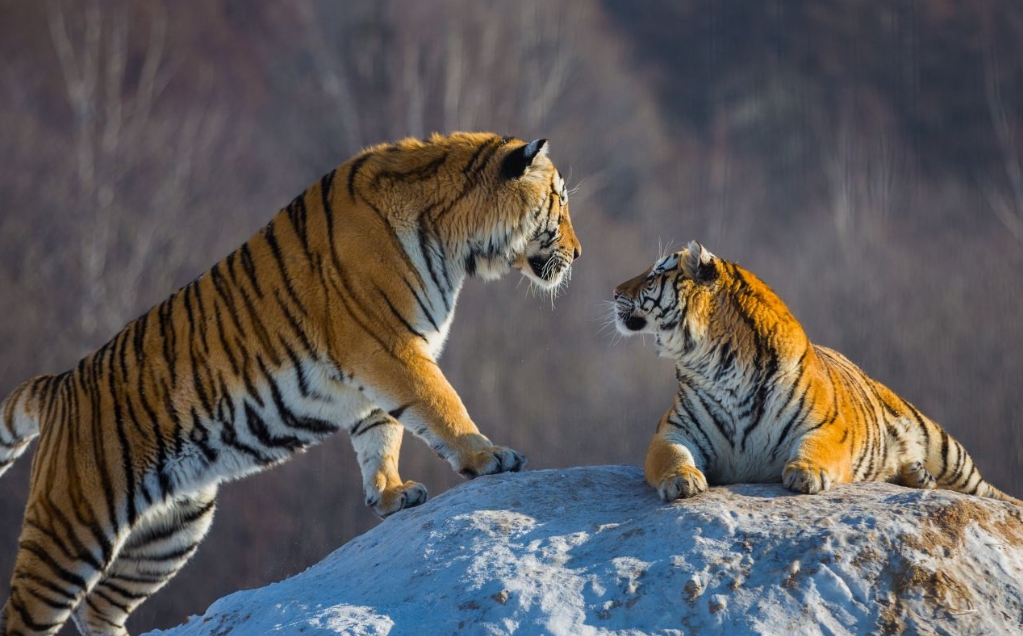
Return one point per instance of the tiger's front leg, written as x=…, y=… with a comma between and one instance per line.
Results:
x=414, y=390
x=377, y=442
x=818, y=460
x=671, y=464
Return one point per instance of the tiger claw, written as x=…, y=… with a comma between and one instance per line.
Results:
x=688, y=482
x=805, y=477
x=497, y=459
x=390, y=501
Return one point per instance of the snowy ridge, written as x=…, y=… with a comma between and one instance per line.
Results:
x=593, y=551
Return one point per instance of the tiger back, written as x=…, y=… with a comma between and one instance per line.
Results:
x=758, y=402
x=330, y=318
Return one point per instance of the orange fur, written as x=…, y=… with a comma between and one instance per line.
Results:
x=757, y=401
x=331, y=317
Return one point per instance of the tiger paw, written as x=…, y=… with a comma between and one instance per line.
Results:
x=916, y=475
x=496, y=459
x=408, y=495
x=687, y=482
x=806, y=477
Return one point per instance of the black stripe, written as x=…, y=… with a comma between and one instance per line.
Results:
x=124, y=593
x=427, y=251
x=200, y=436
x=278, y=255
x=374, y=419
x=203, y=320
x=167, y=336
x=354, y=170
x=46, y=600
x=235, y=368
x=98, y=591
x=161, y=446
x=23, y=614
x=303, y=383
x=171, y=555
x=297, y=214
x=288, y=417
x=944, y=456
x=420, y=173
x=296, y=327
x=342, y=294
x=127, y=464
x=328, y=213
x=97, y=614
x=261, y=431
x=46, y=583
x=397, y=314
x=257, y=324
x=398, y=245
x=44, y=556
x=229, y=436
x=797, y=416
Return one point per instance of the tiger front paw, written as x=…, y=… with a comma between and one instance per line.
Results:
x=408, y=495
x=496, y=459
x=685, y=483
x=806, y=477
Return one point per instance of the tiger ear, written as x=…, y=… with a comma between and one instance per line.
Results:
x=522, y=158
x=698, y=263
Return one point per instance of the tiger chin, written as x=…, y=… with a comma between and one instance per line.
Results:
x=330, y=318
x=758, y=402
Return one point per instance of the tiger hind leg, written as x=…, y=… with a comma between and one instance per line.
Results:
x=58, y=561
x=377, y=442
x=158, y=546
x=915, y=475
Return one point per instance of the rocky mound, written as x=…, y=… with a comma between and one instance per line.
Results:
x=593, y=551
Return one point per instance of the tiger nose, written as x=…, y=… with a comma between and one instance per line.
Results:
x=615, y=293
x=577, y=252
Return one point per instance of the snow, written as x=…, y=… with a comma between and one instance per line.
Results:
x=592, y=550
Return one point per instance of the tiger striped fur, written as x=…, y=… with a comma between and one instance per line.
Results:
x=758, y=402
x=330, y=318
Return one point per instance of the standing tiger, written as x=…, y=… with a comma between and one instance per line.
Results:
x=330, y=318
x=757, y=401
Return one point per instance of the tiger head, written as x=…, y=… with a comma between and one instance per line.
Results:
x=492, y=203
x=672, y=300
x=527, y=224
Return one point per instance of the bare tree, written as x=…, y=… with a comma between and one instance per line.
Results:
x=1006, y=203
x=133, y=169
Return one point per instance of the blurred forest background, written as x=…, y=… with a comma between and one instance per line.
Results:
x=864, y=158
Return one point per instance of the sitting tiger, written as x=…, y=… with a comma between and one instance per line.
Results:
x=330, y=318
x=757, y=401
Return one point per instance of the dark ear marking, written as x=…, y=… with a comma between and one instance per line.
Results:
x=699, y=264
x=518, y=161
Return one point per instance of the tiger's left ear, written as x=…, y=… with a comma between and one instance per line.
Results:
x=698, y=263
x=522, y=158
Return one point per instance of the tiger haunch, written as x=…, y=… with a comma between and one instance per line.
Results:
x=758, y=402
x=330, y=318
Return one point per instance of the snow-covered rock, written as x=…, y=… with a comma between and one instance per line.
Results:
x=594, y=551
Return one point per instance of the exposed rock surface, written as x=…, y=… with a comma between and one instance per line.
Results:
x=593, y=551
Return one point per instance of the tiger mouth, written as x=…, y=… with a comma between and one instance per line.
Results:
x=549, y=270
x=627, y=321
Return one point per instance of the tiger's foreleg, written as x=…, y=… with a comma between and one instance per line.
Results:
x=674, y=464
x=819, y=460
x=414, y=389
x=377, y=442
x=156, y=549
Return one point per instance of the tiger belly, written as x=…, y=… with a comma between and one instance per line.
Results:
x=250, y=432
